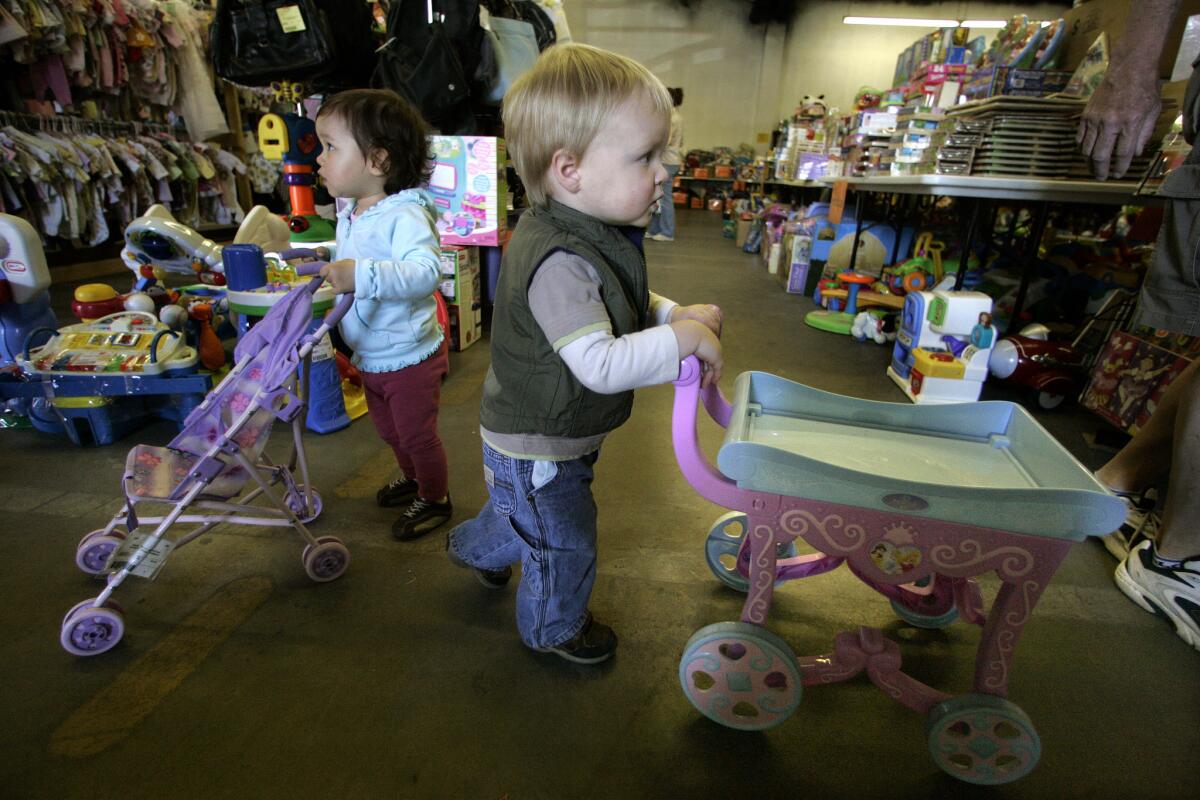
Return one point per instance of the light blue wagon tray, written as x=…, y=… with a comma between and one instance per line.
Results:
x=988, y=464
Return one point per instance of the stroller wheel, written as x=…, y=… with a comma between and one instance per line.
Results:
x=740, y=675
x=91, y=630
x=326, y=560
x=298, y=506
x=723, y=544
x=91, y=601
x=982, y=739
x=93, y=551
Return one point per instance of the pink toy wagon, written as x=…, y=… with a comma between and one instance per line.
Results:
x=916, y=501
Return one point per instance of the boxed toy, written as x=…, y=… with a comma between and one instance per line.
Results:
x=460, y=266
x=466, y=325
x=466, y=310
x=469, y=188
x=1128, y=379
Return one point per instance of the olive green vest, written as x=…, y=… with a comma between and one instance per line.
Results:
x=528, y=388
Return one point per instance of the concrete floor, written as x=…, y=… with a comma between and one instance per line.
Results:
x=240, y=678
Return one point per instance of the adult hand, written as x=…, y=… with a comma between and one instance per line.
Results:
x=1118, y=121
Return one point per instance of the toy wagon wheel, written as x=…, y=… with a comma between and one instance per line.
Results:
x=723, y=544
x=1048, y=401
x=982, y=739
x=915, y=281
x=919, y=619
x=326, y=560
x=90, y=630
x=94, y=550
x=740, y=675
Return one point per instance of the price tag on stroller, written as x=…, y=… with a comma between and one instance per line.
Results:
x=148, y=562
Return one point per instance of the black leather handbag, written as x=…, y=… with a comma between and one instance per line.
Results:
x=255, y=42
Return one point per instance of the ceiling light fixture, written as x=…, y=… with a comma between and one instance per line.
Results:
x=909, y=22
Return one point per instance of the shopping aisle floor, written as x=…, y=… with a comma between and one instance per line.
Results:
x=240, y=678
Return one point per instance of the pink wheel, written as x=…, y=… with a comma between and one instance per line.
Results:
x=90, y=631
x=326, y=560
x=740, y=675
x=983, y=739
x=91, y=556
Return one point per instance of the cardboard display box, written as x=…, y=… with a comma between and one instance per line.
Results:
x=466, y=325
x=460, y=271
x=1088, y=21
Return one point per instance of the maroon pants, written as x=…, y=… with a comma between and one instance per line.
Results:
x=404, y=406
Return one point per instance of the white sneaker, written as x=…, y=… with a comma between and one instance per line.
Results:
x=1173, y=593
x=659, y=237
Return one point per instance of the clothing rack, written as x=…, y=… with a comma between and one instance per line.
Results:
x=66, y=123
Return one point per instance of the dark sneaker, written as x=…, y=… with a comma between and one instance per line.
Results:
x=1141, y=523
x=421, y=517
x=399, y=492
x=491, y=578
x=595, y=643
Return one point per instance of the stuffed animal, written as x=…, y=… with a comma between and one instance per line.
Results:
x=868, y=325
x=812, y=106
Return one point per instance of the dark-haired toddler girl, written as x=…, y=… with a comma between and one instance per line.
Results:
x=375, y=154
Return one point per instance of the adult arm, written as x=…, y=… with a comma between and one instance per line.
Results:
x=1121, y=115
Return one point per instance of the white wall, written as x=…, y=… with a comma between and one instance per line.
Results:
x=740, y=80
x=728, y=69
x=825, y=56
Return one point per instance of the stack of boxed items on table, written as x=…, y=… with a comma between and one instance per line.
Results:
x=1021, y=61
x=914, y=145
x=802, y=154
x=1027, y=136
x=934, y=67
x=960, y=137
x=867, y=141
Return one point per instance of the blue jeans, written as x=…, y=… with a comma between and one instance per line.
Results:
x=547, y=521
x=663, y=222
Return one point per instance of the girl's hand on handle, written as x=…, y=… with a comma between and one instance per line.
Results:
x=340, y=275
x=696, y=338
x=708, y=315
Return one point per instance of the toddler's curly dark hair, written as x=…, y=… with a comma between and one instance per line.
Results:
x=381, y=119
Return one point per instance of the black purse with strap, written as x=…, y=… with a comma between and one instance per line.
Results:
x=255, y=42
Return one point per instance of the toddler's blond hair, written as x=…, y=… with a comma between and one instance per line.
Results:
x=562, y=102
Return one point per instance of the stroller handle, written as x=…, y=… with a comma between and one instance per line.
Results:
x=343, y=302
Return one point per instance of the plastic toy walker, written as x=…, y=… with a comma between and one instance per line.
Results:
x=199, y=477
x=915, y=501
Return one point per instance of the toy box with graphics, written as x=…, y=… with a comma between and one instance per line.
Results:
x=1129, y=378
x=468, y=185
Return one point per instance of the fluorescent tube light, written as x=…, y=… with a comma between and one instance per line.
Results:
x=909, y=22
x=902, y=22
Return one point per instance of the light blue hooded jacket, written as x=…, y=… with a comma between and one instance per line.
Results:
x=394, y=243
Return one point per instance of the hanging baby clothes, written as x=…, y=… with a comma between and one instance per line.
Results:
x=85, y=186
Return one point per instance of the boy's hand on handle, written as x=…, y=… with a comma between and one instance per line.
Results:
x=708, y=315
x=340, y=275
x=696, y=338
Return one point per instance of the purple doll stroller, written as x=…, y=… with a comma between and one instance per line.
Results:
x=199, y=477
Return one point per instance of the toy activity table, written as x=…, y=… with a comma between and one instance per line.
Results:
x=917, y=502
